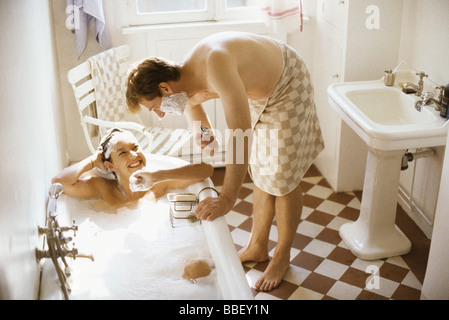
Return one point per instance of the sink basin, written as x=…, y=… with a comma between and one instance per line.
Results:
x=387, y=121
x=386, y=118
x=388, y=107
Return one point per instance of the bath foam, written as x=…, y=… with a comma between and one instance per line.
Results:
x=130, y=243
x=138, y=255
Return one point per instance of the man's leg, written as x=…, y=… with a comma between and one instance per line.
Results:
x=263, y=214
x=288, y=215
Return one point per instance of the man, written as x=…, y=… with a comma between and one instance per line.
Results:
x=265, y=89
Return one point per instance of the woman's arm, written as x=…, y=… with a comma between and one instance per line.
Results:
x=70, y=178
x=199, y=171
x=174, y=178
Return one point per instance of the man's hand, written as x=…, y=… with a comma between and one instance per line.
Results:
x=213, y=207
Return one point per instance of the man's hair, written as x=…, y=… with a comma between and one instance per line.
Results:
x=143, y=81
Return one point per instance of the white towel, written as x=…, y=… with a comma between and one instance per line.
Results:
x=84, y=12
x=283, y=15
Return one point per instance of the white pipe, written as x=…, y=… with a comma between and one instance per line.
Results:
x=423, y=153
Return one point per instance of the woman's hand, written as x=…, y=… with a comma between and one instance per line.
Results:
x=213, y=207
x=159, y=189
x=142, y=181
x=96, y=161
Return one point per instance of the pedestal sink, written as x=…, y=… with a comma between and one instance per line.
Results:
x=387, y=121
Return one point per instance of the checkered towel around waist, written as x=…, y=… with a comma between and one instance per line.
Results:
x=287, y=136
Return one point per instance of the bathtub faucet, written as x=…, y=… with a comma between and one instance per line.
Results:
x=57, y=241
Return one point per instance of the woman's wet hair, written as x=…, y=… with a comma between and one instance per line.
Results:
x=105, y=145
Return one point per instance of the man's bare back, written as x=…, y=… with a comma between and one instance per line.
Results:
x=257, y=59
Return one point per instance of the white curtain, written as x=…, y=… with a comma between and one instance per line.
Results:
x=283, y=16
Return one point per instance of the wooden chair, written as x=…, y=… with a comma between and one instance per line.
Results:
x=94, y=111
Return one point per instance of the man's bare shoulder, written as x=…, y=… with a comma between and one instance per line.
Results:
x=219, y=58
x=230, y=37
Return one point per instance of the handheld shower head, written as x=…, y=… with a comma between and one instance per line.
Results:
x=55, y=190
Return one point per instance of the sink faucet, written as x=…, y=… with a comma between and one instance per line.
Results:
x=410, y=87
x=428, y=98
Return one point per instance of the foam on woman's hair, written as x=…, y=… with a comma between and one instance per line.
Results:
x=112, y=144
x=106, y=147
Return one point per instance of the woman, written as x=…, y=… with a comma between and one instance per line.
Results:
x=118, y=157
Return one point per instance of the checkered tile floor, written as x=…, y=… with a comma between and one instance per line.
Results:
x=321, y=265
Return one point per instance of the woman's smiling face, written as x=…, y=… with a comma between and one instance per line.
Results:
x=126, y=156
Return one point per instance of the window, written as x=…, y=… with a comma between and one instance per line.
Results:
x=145, y=12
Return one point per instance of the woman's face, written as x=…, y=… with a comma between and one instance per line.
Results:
x=126, y=155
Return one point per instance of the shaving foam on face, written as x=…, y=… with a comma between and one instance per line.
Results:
x=175, y=103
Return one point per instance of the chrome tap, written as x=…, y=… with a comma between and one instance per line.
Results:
x=428, y=98
x=417, y=89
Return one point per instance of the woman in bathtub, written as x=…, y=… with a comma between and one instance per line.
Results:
x=117, y=158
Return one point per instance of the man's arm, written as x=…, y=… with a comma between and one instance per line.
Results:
x=196, y=113
x=224, y=78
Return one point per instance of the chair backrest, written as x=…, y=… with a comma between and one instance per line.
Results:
x=80, y=78
x=87, y=97
x=98, y=107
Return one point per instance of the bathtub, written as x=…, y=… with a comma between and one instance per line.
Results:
x=140, y=253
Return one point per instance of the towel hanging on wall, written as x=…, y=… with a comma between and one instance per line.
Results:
x=283, y=15
x=81, y=13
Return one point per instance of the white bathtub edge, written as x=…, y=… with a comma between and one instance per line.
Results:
x=230, y=273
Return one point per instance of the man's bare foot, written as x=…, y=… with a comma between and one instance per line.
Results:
x=253, y=253
x=273, y=274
